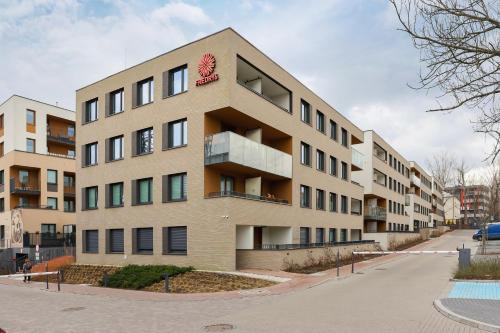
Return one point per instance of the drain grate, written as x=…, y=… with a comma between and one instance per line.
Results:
x=380, y=269
x=218, y=327
x=78, y=308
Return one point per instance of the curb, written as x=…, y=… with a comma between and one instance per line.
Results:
x=464, y=320
x=475, y=281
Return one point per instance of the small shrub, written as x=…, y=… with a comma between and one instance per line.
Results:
x=480, y=270
x=139, y=277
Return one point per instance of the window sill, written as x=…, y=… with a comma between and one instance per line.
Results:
x=114, y=114
x=90, y=165
x=84, y=209
x=175, y=200
x=144, y=253
x=174, y=253
x=142, y=154
x=118, y=159
x=115, y=252
x=117, y=206
x=305, y=122
x=173, y=95
x=172, y=148
x=138, y=106
x=306, y=165
x=142, y=203
x=89, y=122
x=87, y=252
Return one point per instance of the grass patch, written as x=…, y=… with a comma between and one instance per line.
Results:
x=480, y=270
x=139, y=277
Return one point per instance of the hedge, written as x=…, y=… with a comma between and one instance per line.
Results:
x=141, y=276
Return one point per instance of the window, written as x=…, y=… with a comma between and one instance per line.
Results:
x=2, y=180
x=390, y=183
x=1, y=122
x=305, y=112
x=226, y=184
x=333, y=202
x=305, y=237
x=320, y=121
x=144, y=141
x=52, y=203
x=48, y=228
x=305, y=196
x=145, y=91
x=90, y=154
x=177, y=80
x=320, y=160
x=320, y=235
x=30, y=117
x=175, y=239
x=116, y=104
x=345, y=139
x=2, y=208
x=142, y=240
x=333, y=166
x=90, y=241
x=343, y=204
x=115, y=148
x=90, y=197
x=177, y=187
x=69, y=205
x=24, y=176
x=91, y=112
x=30, y=145
x=320, y=199
x=343, y=235
x=144, y=191
x=344, y=171
x=332, y=235
x=177, y=133
x=115, y=195
x=71, y=131
x=333, y=130
x=52, y=177
x=305, y=154
x=114, y=241
x=390, y=206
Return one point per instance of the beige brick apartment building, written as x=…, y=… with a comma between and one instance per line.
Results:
x=206, y=150
x=37, y=174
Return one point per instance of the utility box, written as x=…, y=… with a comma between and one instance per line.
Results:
x=463, y=258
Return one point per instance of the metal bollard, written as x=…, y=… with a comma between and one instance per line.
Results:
x=62, y=275
x=338, y=263
x=463, y=258
x=105, y=279
x=352, y=262
x=47, y=276
x=58, y=280
x=166, y=282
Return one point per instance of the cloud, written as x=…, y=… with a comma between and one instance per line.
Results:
x=181, y=11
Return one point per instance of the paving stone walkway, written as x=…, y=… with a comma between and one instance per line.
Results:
x=483, y=310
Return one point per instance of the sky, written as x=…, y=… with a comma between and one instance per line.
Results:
x=349, y=52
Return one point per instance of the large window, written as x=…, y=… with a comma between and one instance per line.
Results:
x=177, y=133
x=305, y=196
x=144, y=141
x=177, y=187
x=320, y=160
x=305, y=235
x=69, y=205
x=114, y=241
x=320, y=235
x=116, y=102
x=145, y=91
x=332, y=235
x=305, y=154
x=305, y=112
x=175, y=240
x=52, y=180
x=91, y=112
x=90, y=242
x=177, y=80
x=116, y=148
x=344, y=171
x=226, y=184
x=320, y=121
x=115, y=195
x=30, y=117
x=144, y=190
x=143, y=240
x=333, y=202
x=343, y=204
x=345, y=138
x=30, y=145
x=333, y=166
x=320, y=199
x=90, y=157
x=333, y=130
x=90, y=198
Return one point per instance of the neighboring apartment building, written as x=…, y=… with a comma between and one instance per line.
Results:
x=37, y=173
x=208, y=150
x=386, y=179
x=474, y=202
x=437, y=210
x=419, y=198
x=452, y=214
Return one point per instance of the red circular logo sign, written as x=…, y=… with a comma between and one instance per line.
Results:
x=207, y=65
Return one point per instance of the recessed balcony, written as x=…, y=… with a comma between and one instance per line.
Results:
x=415, y=180
x=375, y=213
x=357, y=161
x=231, y=148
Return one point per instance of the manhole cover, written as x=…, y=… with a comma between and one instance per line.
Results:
x=360, y=273
x=380, y=269
x=218, y=327
x=78, y=308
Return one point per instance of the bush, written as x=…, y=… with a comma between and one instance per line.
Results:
x=139, y=277
x=480, y=270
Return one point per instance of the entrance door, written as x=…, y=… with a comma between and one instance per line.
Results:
x=257, y=237
x=20, y=259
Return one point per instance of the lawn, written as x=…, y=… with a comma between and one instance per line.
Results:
x=480, y=270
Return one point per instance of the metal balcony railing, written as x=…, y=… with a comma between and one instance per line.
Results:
x=60, y=138
x=26, y=186
x=357, y=158
x=376, y=213
x=48, y=239
x=241, y=195
x=415, y=180
x=277, y=247
x=69, y=190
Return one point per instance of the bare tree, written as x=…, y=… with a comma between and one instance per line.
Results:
x=442, y=167
x=492, y=181
x=459, y=42
x=461, y=179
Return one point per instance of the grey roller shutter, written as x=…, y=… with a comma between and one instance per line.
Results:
x=116, y=241
x=92, y=241
x=83, y=156
x=134, y=95
x=177, y=239
x=107, y=196
x=84, y=105
x=134, y=192
x=84, y=198
x=164, y=136
x=107, y=150
x=164, y=188
x=107, y=105
x=304, y=236
x=144, y=239
x=165, y=84
x=134, y=143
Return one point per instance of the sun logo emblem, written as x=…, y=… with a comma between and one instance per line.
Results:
x=207, y=65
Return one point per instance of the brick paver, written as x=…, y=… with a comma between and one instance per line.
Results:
x=483, y=310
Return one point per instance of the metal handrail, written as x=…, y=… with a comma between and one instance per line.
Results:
x=242, y=195
x=277, y=247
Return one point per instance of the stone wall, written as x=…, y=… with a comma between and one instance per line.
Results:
x=280, y=259
x=388, y=240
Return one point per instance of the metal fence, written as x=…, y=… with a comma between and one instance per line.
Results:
x=278, y=247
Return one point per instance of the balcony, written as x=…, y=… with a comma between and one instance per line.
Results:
x=376, y=213
x=358, y=160
x=72, y=156
x=229, y=147
x=415, y=180
x=60, y=139
x=69, y=191
x=48, y=239
x=247, y=196
x=28, y=187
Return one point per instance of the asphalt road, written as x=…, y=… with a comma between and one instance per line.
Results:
x=396, y=296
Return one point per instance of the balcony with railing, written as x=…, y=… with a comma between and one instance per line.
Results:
x=415, y=180
x=375, y=213
x=242, y=195
x=357, y=160
x=231, y=148
x=48, y=239
x=27, y=186
x=60, y=138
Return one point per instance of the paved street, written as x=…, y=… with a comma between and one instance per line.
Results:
x=396, y=296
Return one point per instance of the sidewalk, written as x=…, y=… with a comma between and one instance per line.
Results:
x=474, y=303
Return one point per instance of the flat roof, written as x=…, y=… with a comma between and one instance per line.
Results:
x=37, y=101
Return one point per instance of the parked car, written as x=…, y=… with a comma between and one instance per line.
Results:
x=492, y=232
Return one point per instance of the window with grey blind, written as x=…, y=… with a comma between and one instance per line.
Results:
x=115, y=195
x=320, y=160
x=333, y=166
x=333, y=130
x=90, y=111
x=177, y=80
x=142, y=191
x=90, y=154
x=345, y=138
x=114, y=241
x=177, y=187
x=90, y=241
x=343, y=204
x=89, y=197
x=332, y=235
x=333, y=202
x=115, y=149
x=142, y=240
x=175, y=240
x=304, y=235
x=144, y=142
x=320, y=199
x=177, y=134
x=344, y=171
x=305, y=112
x=145, y=91
x=320, y=235
x=116, y=102
x=52, y=180
x=320, y=121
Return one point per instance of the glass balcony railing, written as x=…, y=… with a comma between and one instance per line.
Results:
x=415, y=180
x=358, y=158
x=231, y=147
x=376, y=213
